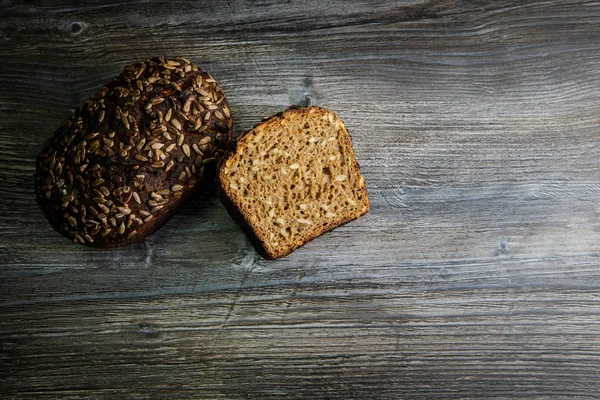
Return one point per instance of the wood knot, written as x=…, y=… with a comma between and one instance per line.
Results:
x=8, y=35
x=146, y=328
x=74, y=27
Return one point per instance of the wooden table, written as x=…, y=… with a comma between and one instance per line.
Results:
x=476, y=273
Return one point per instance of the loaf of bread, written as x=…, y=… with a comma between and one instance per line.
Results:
x=292, y=178
x=117, y=169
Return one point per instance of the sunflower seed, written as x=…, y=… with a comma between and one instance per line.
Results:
x=204, y=140
x=124, y=210
x=157, y=145
x=182, y=116
x=158, y=164
x=176, y=123
x=197, y=149
x=121, y=228
x=176, y=188
x=169, y=165
x=168, y=114
x=140, y=144
x=170, y=147
x=206, y=116
x=101, y=115
x=182, y=175
x=97, y=182
x=172, y=130
x=226, y=111
x=89, y=137
x=136, y=197
x=186, y=106
x=140, y=157
x=186, y=149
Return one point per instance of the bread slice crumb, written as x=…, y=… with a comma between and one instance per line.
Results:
x=292, y=178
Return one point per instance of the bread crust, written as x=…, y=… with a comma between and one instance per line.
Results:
x=120, y=166
x=247, y=221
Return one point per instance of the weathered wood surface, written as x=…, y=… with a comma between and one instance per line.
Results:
x=475, y=275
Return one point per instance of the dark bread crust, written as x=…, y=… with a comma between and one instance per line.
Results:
x=118, y=169
x=247, y=221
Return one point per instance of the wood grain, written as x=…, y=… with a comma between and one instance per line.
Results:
x=475, y=275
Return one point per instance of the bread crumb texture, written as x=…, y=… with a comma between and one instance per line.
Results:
x=294, y=177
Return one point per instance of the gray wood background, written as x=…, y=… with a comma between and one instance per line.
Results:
x=475, y=275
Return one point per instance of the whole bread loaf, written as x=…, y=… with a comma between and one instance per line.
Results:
x=292, y=178
x=117, y=169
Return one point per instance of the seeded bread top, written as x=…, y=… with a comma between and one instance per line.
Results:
x=131, y=152
x=293, y=177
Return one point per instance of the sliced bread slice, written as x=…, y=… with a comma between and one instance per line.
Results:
x=292, y=178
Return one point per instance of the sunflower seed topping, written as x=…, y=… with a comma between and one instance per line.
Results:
x=186, y=149
x=100, y=162
x=197, y=149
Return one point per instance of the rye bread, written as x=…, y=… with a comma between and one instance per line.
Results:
x=292, y=178
x=117, y=169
